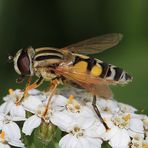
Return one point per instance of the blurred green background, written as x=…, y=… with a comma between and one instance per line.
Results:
x=58, y=23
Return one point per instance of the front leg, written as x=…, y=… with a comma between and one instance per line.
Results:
x=30, y=86
x=33, y=86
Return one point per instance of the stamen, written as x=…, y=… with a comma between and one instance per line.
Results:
x=2, y=135
x=127, y=117
x=78, y=132
x=70, y=99
x=145, y=146
x=10, y=91
x=76, y=129
x=77, y=106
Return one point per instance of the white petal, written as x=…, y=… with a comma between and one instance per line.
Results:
x=31, y=103
x=30, y=124
x=110, y=133
x=38, y=94
x=90, y=142
x=62, y=120
x=96, y=130
x=12, y=130
x=83, y=122
x=34, y=92
x=68, y=141
x=108, y=119
x=108, y=105
x=137, y=116
x=4, y=145
x=6, y=106
x=126, y=108
x=2, y=117
x=18, y=119
x=7, y=97
x=17, y=111
x=120, y=140
x=18, y=92
x=16, y=143
x=136, y=125
x=58, y=102
x=87, y=112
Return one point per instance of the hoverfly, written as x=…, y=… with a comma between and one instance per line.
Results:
x=65, y=64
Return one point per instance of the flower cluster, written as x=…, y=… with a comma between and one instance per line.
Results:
x=75, y=117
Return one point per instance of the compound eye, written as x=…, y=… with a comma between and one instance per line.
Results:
x=24, y=63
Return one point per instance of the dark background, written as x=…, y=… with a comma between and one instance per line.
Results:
x=57, y=23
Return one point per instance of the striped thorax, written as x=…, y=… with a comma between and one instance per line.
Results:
x=47, y=56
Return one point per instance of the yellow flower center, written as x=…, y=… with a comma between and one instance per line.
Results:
x=121, y=121
x=78, y=132
x=10, y=91
x=2, y=136
x=127, y=117
x=73, y=105
x=16, y=97
x=70, y=99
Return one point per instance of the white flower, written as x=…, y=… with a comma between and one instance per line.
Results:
x=10, y=105
x=15, y=106
x=5, y=141
x=80, y=94
x=65, y=110
x=137, y=141
x=108, y=106
x=40, y=114
x=125, y=108
x=145, y=123
x=30, y=124
x=70, y=106
x=8, y=125
x=122, y=128
x=75, y=117
x=37, y=93
x=10, y=131
x=34, y=121
x=61, y=109
x=82, y=133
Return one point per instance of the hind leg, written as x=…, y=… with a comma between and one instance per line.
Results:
x=98, y=112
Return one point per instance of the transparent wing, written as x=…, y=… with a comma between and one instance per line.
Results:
x=96, y=44
x=95, y=85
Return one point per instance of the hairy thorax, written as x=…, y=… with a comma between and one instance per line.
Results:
x=46, y=73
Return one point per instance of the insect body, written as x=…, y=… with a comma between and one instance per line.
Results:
x=59, y=65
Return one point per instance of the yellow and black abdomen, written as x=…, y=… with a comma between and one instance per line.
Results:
x=98, y=68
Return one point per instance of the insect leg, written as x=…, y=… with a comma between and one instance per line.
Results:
x=29, y=81
x=52, y=90
x=98, y=112
x=32, y=86
x=29, y=87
